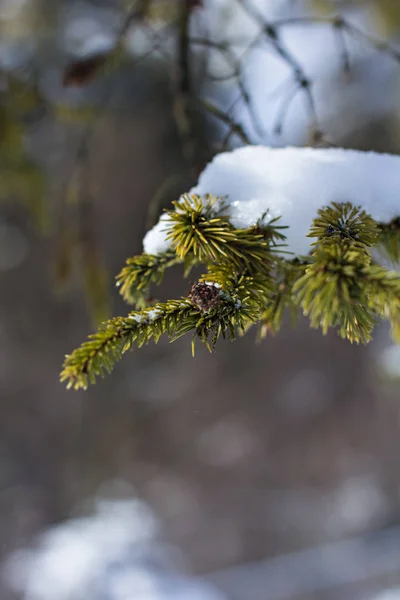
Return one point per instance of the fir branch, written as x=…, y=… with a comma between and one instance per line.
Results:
x=98, y=355
x=343, y=289
x=343, y=221
x=248, y=290
x=199, y=227
x=241, y=283
x=270, y=230
x=140, y=272
x=383, y=290
x=208, y=322
x=227, y=312
x=281, y=297
x=332, y=295
x=338, y=285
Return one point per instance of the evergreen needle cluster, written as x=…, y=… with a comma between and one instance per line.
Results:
x=248, y=282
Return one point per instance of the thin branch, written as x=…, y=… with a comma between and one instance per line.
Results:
x=342, y=46
x=283, y=110
x=378, y=44
x=271, y=33
x=184, y=93
x=235, y=127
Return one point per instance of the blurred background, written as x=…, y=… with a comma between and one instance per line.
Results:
x=261, y=472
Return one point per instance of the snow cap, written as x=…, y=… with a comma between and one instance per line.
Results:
x=293, y=183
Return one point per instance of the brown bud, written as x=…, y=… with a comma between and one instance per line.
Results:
x=205, y=295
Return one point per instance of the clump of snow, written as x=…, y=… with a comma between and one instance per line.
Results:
x=154, y=314
x=138, y=318
x=154, y=241
x=389, y=361
x=293, y=183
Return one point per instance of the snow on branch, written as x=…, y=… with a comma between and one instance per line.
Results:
x=260, y=183
x=249, y=222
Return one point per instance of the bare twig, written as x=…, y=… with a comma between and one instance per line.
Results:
x=235, y=53
x=271, y=34
x=378, y=44
x=234, y=127
x=342, y=46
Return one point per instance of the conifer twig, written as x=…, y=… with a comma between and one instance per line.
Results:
x=247, y=282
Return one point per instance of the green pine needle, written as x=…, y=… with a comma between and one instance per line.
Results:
x=198, y=228
x=140, y=272
x=345, y=222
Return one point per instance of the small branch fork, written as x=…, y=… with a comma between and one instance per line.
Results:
x=235, y=52
x=188, y=102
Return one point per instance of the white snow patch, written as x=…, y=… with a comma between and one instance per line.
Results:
x=138, y=318
x=293, y=183
x=389, y=361
x=154, y=314
x=154, y=241
x=216, y=285
x=71, y=554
